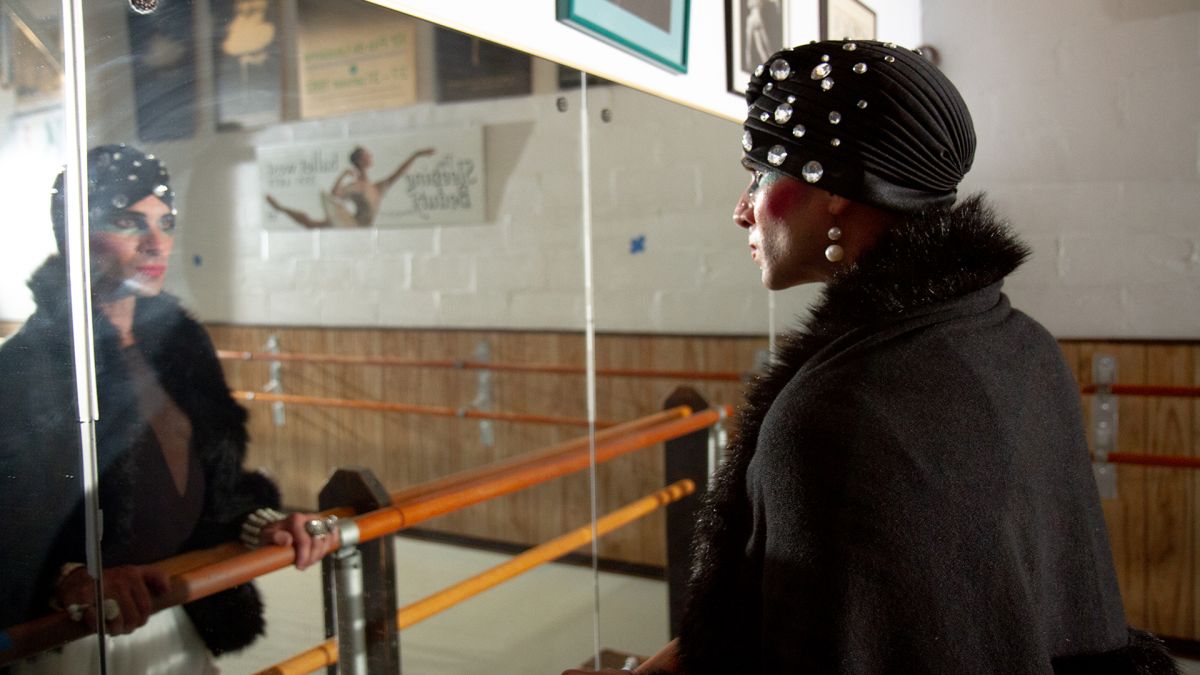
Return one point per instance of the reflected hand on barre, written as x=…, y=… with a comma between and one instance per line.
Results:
x=291, y=531
x=128, y=589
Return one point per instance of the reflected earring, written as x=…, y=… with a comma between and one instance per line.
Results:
x=834, y=252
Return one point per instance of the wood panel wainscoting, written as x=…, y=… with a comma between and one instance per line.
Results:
x=1154, y=523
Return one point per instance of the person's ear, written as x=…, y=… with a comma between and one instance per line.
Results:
x=837, y=205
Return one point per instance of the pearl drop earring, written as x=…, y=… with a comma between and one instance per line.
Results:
x=833, y=252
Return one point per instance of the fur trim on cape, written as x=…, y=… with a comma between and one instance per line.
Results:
x=182, y=356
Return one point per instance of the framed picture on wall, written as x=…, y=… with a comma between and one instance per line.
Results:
x=471, y=68
x=846, y=19
x=755, y=29
x=247, y=63
x=655, y=30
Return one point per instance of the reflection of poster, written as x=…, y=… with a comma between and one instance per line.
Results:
x=849, y=19
x=246, y=62
x=471, y=68
x=164, y=71
x=354, y=57
x=434, y=176
x=756, y=30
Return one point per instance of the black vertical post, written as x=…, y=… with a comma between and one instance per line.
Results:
x=356, y=487
x=686, y=457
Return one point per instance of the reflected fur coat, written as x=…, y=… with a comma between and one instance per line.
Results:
x=39, y=457
x=910, y=490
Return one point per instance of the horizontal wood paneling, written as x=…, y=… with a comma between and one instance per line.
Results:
x=1152, y=524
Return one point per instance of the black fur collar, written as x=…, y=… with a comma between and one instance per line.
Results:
x=932, y=257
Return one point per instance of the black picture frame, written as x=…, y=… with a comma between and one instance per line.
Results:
x=470, y=68
x=744, y=51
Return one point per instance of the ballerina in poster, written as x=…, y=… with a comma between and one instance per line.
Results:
x=354, y=199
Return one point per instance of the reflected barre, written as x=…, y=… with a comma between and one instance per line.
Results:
x=326, y=653
x=415, y=409
x=458, y=364
x=1165, y=461
x=1144, y=390
x=202, y=573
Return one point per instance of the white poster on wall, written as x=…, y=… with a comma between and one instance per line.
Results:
x=430, y=177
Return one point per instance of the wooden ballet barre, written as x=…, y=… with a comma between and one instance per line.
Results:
x=1167, y=461
x=193, y=575
x=414, y=409
x=535, y=456
x=326, y=654
x=1144, y=390
x=207, y=572
x=457, y=364
x=474, y=490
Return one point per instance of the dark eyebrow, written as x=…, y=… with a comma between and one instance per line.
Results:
x=122, y=213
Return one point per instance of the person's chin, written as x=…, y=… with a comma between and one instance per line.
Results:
x=142, y=287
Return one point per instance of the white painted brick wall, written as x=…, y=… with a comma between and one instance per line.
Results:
x=1089, y=141
x=1088, y=117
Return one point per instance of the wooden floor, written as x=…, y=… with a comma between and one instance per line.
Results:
x=540, y=622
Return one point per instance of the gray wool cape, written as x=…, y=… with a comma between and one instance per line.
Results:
x=910, y=489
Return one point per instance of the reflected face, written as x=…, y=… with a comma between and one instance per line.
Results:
x=130, y=247
x=786, y=221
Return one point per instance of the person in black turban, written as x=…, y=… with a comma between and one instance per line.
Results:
x=170, y=447
x=909, y=489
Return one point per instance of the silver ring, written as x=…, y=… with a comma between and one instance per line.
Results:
x=317, y=528
x=112, y=610
x=320, y=527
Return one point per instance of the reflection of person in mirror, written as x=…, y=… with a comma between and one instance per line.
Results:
x=761, y=27
x=170, y=443
x=355, y=187
x=910, y=488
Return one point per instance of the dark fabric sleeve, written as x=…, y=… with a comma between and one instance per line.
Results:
x=39, y=484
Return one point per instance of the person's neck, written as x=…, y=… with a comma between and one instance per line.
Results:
x=862, y=228
x=120, y=314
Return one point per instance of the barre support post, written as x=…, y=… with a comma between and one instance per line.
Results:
x=1104, y=424
x=686, y=457
x=358, y=488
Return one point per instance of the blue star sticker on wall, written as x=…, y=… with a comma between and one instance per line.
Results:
x=637, y=244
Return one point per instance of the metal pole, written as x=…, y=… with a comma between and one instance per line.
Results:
x=348, y=580
x=357, y=488
x=80, y=288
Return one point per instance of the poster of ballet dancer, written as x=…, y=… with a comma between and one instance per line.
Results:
x=247, y=63
x=354, y=56
x=431, y=177
x=755, y=29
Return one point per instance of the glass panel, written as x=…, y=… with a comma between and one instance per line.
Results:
x=41, y=493
x=377, y=198
x=676, y=291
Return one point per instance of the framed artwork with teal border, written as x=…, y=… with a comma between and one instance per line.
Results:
x=655, y=30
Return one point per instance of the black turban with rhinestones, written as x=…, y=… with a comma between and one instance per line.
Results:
x=118, y=176
x=870, y=121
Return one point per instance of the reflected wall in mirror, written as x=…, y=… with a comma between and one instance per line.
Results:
x=452, y=237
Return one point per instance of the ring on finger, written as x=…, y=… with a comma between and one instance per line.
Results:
x=75, y=610
x=320, y=528
x=112, y=610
